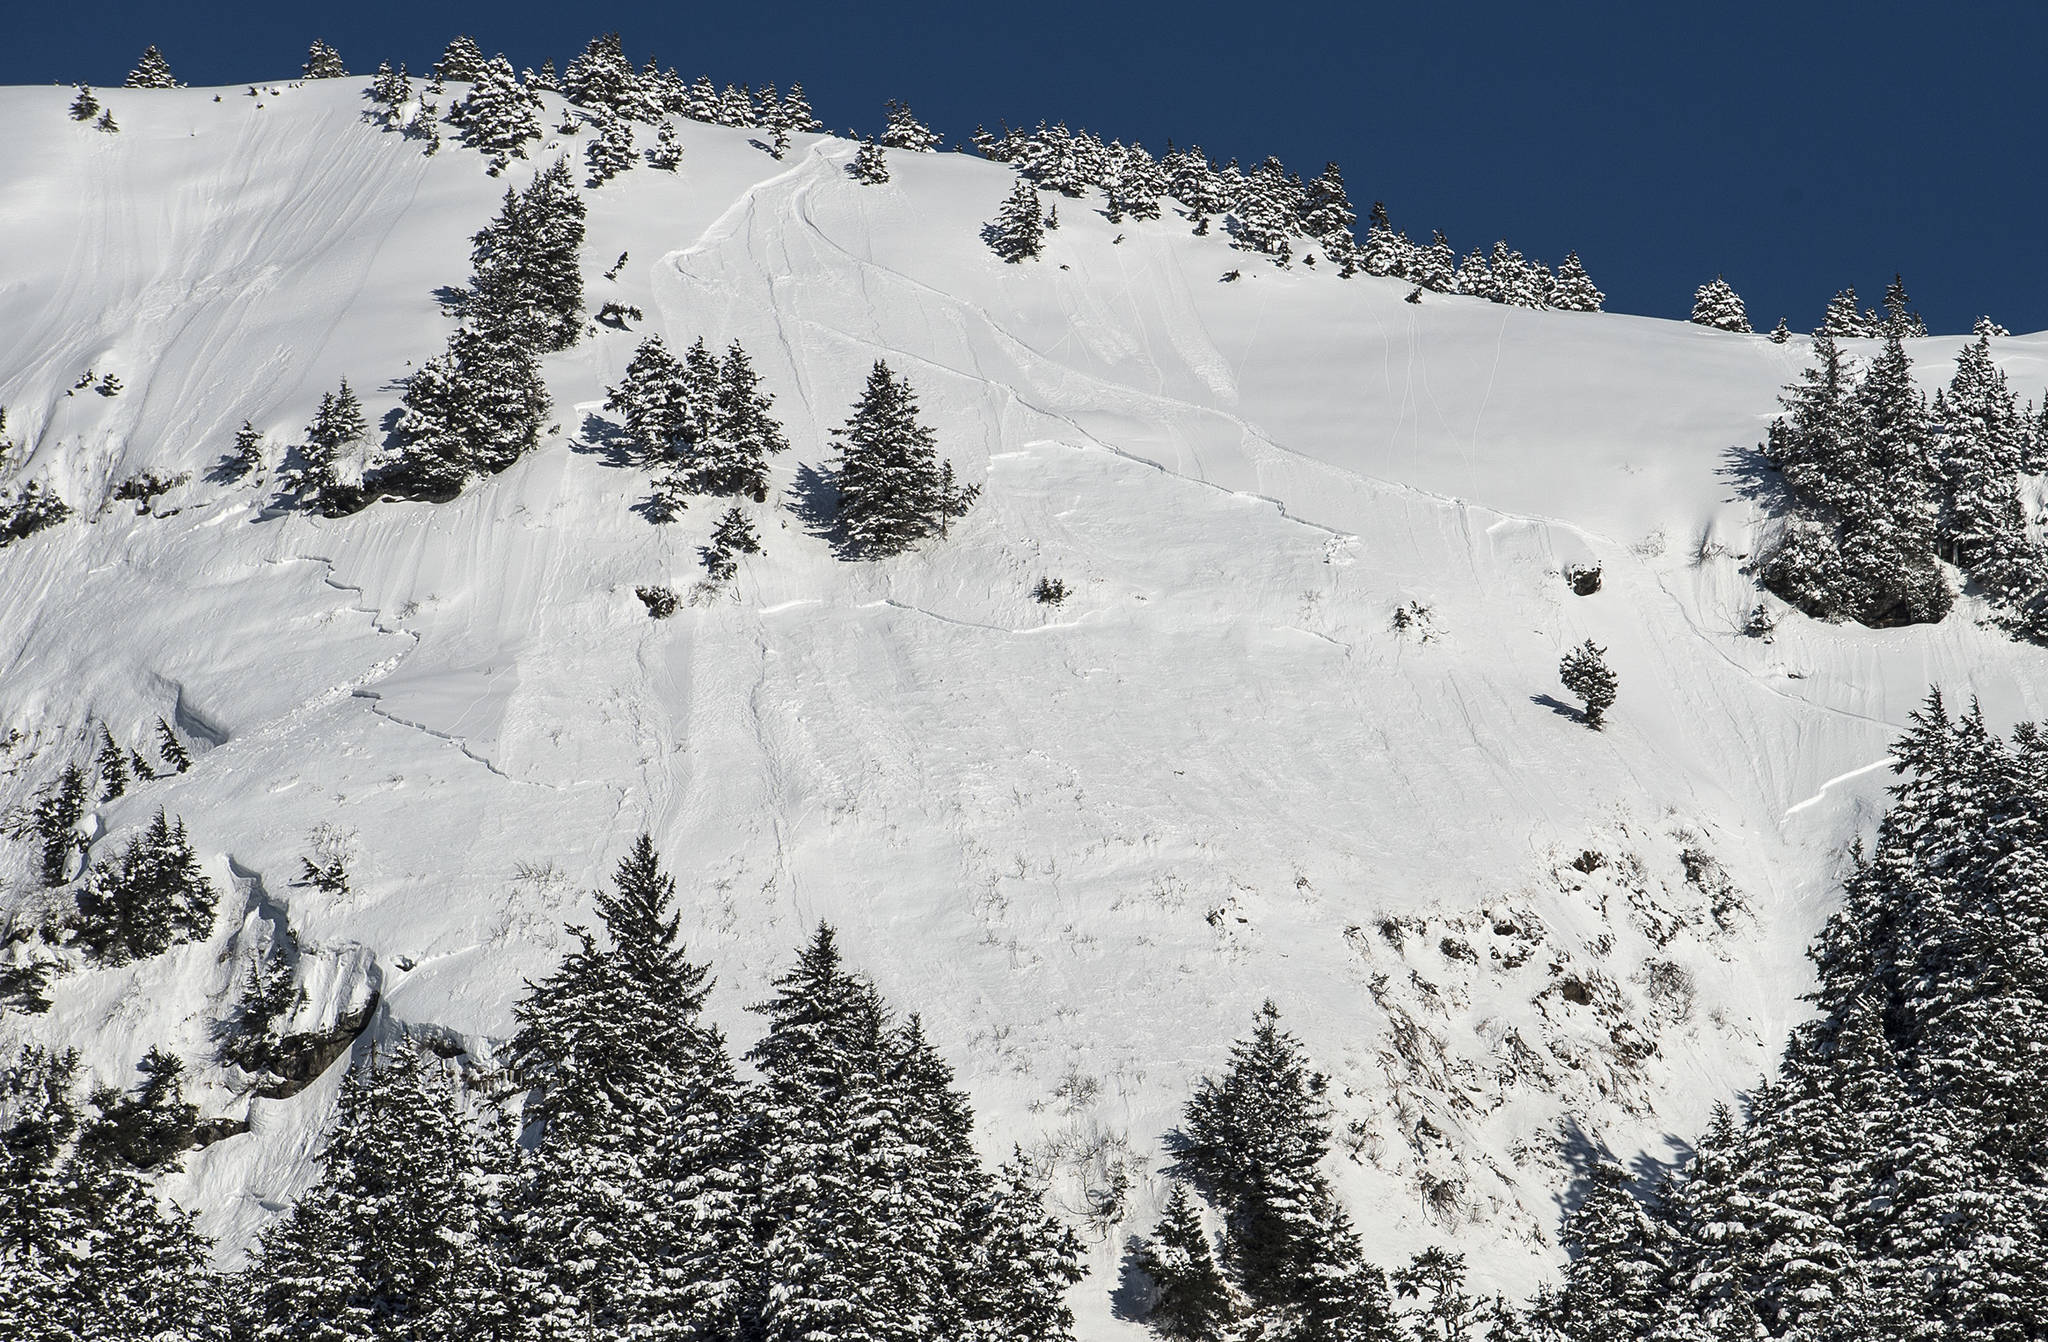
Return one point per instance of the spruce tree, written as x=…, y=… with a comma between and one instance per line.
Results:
x=610, y=151
x=653, y=403
x=1191, y=1301
x=526, y=282
x=634, y=1208
x=1585, y=673
x=314, y=480
x=170, y=749
x=1844, y=320
x=1899, y=316
x=496, y=116
x=603, y=77
x=1574, y=290
x=892, y=490
x=150, y=1129
x=86, y=1250
x=324, y=62
x=113, y=767
x=1018, y=233
x=1983, y=446
x=397, y=1239
x=1614, y=1286
x=462, y=60
x=51, y=821
x=84, y=107
x=151, y=72
x=1024, y=1264
x=471, y=411
x=905, y=131
x=870, y=165
x=797, y=114
x=150, y=898
x=666, y=153
x=1716, y=304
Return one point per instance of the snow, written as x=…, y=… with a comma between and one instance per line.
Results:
x=1085, y=841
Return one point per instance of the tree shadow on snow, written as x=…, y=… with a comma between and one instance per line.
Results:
x=814, y=501
x=1753, y=478
x=1134, y=1294
x=606, y=440
x=1558, y=706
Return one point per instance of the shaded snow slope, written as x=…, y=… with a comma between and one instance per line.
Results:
x=1084, y=841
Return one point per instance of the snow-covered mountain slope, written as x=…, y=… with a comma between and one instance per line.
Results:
x=1085, y=841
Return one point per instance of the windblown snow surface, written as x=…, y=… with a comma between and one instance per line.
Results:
x=1085, y=840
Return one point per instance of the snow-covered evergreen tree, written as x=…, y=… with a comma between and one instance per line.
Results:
x=150, y=898
x=315, y=478
x=151, y=72
x=1191, y=1300
x=496, y=116
x=1898, y=311
x=398, y=1238
x=893, y=491
x=1716, y=304
x=472, y=410
x=797, y=114
x=112, y=764
x=905, y=131
x=1573, y=290
x=1018, y=232
x=870, y=165
x=1585, y=673
x=1844, y=320
x=603, y=78
x=526, y=284
x=666, y=153
x=635, y=1211
x=610, y=151
x=170, y=749
x=85, y=106
x=462, y=60
x=324, y=62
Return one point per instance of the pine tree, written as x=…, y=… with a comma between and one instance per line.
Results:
x=149, y=1130
x=1983, y=449
x=1262, y=210
x=892, y=490
x=1716, y=304
x=151, y=72
x=603, y=78
x=147, y=900
x=735, y=107
x=905, y=131
x=526, y=282
x=1437, y=267
x=1018, y=233
x=51, y=821
x=496, y=116
x=1844, y=320
x=1780, y=333
x=1574, y=290
x=653, y=403
x=797, y=114
x=610, y=151
x=392, y=91
x=113, y=767
x=106, y=124
x=870, y=165
x=1444, y=1310
x=324, y=62
x=1191, y=1301
x=472, y=411
x=666, y=153
x=315, y=480
x=170, y=749
x=1614, y=1286
x=634, y=1207
x=1898, y=313
x=84, y=107
x=732, y=458
x=397, y=1239
x=1584, y=672
x=733, y=534
x=462, y=60
x=87, y=1252
x=1023, y=1266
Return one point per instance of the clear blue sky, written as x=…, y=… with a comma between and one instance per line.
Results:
x=1795, y=148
